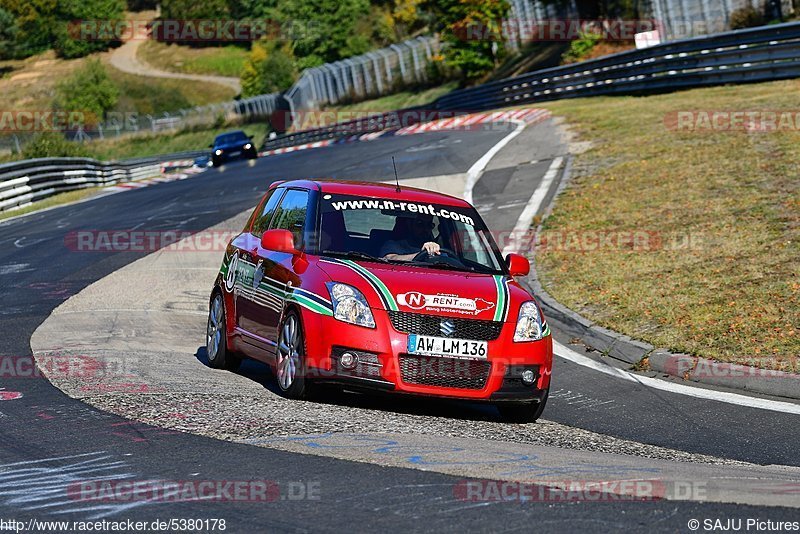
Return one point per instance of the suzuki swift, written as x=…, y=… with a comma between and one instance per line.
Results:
x=385, y=288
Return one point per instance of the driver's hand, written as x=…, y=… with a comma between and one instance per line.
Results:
x=432, y=248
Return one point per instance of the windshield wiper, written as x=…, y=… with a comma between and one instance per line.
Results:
x=355, y=254
x=443, y=266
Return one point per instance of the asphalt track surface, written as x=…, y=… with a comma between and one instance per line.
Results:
x=48, y=439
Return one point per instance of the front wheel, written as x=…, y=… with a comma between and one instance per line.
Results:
x=219, y=357
x=290, y=368
x=523, y=412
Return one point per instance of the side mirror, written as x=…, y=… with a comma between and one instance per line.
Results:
x=279, y=241
x=211, y=145
x=518, y=265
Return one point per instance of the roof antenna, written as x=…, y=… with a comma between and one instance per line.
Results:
x=396, y=179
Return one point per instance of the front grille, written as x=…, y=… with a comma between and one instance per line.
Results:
x=444, y=372
x=430, y=325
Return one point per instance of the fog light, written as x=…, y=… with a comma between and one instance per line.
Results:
x=348, y=360
x=528, y=377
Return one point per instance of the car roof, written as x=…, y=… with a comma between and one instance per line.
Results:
x=378, y=190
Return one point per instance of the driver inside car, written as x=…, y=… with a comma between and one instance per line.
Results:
x=419, y=238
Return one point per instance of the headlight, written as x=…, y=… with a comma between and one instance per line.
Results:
x=349, y=305
x=218, y=151
x=529, y=323
x=248, y=146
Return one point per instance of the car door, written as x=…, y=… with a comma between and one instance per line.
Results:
x=249, y=293
x=278, y=271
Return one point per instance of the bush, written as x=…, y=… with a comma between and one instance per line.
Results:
x=581, y=47
x=268, y=69
x=746, y=17
x=53, y=145
x=88, y=90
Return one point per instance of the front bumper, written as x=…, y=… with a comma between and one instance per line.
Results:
x=384, y=365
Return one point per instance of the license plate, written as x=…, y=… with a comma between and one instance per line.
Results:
x=234, y=154
x=445, y=346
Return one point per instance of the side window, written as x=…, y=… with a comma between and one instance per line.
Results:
x=291, y=215
x=261, y=223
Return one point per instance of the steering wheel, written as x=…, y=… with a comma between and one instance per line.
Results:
x=445, y=256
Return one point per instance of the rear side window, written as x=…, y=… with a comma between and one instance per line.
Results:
x=261, y=223
x=291, y=215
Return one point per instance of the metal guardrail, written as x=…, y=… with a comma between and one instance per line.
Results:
x=758, y=54
x=751, y=55
x=25, y=182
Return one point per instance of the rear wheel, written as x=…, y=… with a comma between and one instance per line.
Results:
x=290, y=368
x=219, y=357
x=523, y=413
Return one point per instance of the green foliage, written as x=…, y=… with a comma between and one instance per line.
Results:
x=194, y=9
x=269, y=68
x=580, y=47
x=141, y=5
x=53, y=145
x=88, y=90
x=44, y=24
x=8, y=34
x=472, y=31
x=325, y=30
x=68, y=40
x=35, y=20
x=746, y=17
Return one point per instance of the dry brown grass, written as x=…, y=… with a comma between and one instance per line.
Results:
x=735, y=295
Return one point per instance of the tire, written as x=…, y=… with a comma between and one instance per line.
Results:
x=290, y=362
x=216, y=162
x=522, y=413
x=219, y=357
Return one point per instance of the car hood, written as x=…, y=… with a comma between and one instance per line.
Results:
x=430, y=291
x=229, y=146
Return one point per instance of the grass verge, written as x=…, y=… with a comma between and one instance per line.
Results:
x=165, y=143
x=718, y=275
x=49, y=202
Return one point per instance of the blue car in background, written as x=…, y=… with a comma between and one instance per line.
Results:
x=232, y=145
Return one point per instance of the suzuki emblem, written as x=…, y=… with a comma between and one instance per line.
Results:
x=447, y=327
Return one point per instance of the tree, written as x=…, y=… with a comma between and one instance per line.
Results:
x=472, y=31
x=35, y=20
x=325, y=30
x=69, y=43
x=8, y=34
x=88, y=90
x=42, y=24
x=194, y=9
x=270, y=68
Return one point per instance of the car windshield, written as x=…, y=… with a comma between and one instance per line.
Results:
x=411, y=233
x=232, y=137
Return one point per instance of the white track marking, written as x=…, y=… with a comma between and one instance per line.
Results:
x=672, y=387
x=526, y=217
x=523, y=224
x=475, y=171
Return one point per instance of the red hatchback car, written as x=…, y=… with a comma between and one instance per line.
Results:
x=371, y=286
